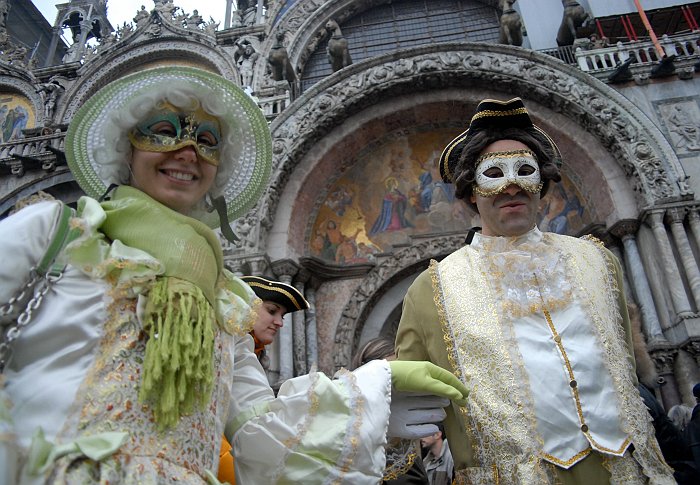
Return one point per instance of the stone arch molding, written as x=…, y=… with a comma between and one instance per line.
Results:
x=359, y=305
x=638, y=146
x=95, y=75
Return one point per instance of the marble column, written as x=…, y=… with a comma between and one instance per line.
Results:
x=694, y=220
x=664, y=359
x=285, y=271
x=676, y=216
x=675, y=285
x=311, y=331
x=299, y=332
x=626, y=231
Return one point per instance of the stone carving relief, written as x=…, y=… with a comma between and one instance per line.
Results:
x=375, y=280
x=682, y=120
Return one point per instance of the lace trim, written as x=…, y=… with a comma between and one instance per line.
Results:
x=352, y=441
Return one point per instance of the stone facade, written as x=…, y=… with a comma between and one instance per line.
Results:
x=365, y=137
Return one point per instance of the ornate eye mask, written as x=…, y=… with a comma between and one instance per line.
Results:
x=170, y=129
x=497, y=170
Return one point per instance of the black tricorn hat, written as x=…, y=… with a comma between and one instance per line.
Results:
x=282, y=293
x=490, y=113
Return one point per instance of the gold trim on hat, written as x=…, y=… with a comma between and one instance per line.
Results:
x=489, y=112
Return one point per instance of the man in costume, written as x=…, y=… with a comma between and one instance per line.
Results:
x=535, y=322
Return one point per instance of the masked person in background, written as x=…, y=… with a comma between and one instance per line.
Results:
x=138, y=356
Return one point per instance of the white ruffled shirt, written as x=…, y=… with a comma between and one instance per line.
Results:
x=574, y=399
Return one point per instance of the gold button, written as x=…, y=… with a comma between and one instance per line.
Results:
x=557, y=339
x=584, y=428
x=573, y=384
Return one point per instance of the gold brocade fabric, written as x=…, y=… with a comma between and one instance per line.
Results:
x=478, y=292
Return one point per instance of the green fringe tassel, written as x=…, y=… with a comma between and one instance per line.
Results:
x=178, y=370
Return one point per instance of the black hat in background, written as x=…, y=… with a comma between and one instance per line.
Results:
x=281, y=293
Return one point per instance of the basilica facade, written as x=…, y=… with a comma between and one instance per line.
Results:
x=361, y=96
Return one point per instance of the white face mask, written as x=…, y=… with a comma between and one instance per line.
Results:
x=497, y=170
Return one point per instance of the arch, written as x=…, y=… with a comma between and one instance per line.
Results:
x=399, y=266
x=608, y=119
x=117, y=64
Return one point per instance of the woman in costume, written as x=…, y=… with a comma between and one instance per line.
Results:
x=278, y=299
x=138, y=357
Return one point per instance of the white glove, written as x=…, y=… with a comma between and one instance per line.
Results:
x=413, y=415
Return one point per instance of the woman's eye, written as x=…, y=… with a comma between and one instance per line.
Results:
x=207, y=139
x=493, y=173
x=526, y=170
x=164, y=128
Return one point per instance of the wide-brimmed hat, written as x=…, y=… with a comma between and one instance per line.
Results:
x=490, y=113
x=282, y=293
x=95, y=132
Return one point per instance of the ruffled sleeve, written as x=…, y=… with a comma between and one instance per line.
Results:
x=316, y=430
x=236, y=304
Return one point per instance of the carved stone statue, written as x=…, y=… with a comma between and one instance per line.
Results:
x=49, y=93
x=338, y=52
x=141, y=17
x=574, y=17
x=511, y=26
x=246, y=62
x=281, y=68
x=194, y=20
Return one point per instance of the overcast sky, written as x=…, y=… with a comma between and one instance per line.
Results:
x=120, y=11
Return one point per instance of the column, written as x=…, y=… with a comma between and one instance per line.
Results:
x=694, y=220
x=671, y=270
x=626, y=231
x=664, y=359
x=52, y=47
x=285, y=271
x=227, y=18
x=311, y=332
x=259, y=13
x=676, y=215
x=299, y=333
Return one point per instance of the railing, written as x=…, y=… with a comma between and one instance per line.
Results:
x=683, y=46
x=38, y=152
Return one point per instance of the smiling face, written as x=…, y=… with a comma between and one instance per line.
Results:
x=270, y=320
x=174, y=158
x=512, y=211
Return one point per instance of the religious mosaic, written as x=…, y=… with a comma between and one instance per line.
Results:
x=16, y=114
x=394, y=192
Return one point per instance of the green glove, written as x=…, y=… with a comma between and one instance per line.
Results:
x=427, y=378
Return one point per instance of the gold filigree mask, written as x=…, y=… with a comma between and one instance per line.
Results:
x=170, y=129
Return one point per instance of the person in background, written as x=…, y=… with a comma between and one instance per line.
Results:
x=139, y=356
x=536, y=322
x=438, y=459
x=278, y=299
x=408, y=468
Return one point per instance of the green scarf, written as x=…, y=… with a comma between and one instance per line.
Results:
x=179, y=318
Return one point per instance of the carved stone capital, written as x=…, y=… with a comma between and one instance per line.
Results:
x=625, y=228
x=664, y=359
x=693, y=348
x=285, y=268
x=676, y=215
